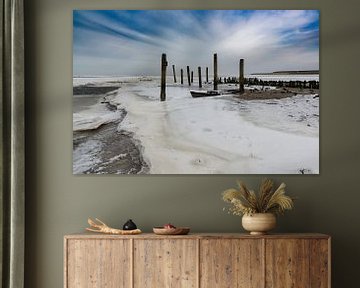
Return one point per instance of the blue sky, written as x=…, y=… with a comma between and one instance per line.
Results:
x=130, y=42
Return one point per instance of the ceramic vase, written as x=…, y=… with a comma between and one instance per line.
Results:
x=259, y=223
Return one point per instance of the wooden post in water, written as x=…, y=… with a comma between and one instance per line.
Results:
x=241, y=76
x=182, y=76
x=207, y=74
x=163, y=77
x=215, y=72
x=199, y=71
x=173, y=66
x=192, y=76
x=188, y=74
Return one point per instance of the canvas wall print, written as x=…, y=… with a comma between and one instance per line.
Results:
x=196, y=92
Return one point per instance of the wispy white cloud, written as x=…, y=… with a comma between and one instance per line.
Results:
x=131, y=42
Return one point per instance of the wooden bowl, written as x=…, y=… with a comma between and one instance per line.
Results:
x=171, y=231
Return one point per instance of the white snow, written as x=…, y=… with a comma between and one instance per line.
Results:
x=107, y=81
x=184, y=135
x=86, y=155
x=298, y=114
x=93, y=117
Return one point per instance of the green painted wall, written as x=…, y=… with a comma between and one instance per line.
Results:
x=59, y=203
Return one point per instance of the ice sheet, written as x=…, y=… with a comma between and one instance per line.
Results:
x=93, y=117
x=218, y=135
x=294, y=77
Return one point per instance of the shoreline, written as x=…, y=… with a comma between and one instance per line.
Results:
x=105, y=149
x=118, y=147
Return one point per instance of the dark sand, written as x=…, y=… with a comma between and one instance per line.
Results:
x=276, y=93
x=114, y=143
x=93, y=90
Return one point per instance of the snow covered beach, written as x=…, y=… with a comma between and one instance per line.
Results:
x=184, y=135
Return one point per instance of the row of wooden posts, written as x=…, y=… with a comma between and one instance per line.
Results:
x=312, y=84
x=190, y=76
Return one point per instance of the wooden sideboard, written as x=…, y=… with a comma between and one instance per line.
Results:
x=197, y=260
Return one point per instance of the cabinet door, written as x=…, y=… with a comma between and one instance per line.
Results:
x=231, y=263
x=98, y=263
x=287, y=263
x=165, y=263
x=320, y=263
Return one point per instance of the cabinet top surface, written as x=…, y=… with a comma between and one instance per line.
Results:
x=87, y=235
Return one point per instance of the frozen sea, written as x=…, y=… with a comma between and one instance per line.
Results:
x=211, y=135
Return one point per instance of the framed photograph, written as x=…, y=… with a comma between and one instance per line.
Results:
x=196, y=92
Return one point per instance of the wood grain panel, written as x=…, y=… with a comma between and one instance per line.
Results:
x=319, y=263
x=231, y=263
x=98, y=264
x=287, y=263
x=197, y=260
x=88, y=235
x=166, y=263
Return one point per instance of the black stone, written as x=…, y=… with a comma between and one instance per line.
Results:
x=129, y=225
